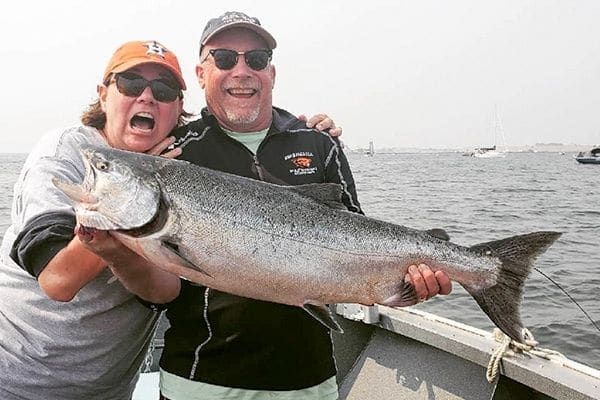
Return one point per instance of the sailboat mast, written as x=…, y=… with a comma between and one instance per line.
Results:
x=498, y=128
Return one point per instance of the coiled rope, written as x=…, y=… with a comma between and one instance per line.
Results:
x=510, y=347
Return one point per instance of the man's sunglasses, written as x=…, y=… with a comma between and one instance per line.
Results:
x=132, y=85
x=227, y=59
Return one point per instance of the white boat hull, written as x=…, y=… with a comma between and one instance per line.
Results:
x=489, y=154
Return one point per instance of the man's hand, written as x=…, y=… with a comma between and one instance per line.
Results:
x=321, y=122
x=428, y=283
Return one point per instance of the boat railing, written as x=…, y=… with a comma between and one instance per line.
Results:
x=556, y=376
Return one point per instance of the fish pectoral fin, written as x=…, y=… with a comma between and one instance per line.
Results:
x=329, y=194
x=170, y=251
x=323, y=314
x=405, y=296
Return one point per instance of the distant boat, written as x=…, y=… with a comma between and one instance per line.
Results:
x=590, y=157
x=488, y=152
x=371, y=150
x=492, y=152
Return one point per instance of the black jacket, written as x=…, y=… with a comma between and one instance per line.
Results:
x=246, y=343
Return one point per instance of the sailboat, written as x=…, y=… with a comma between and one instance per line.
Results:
x=488, y=152
x=371, y=150
x=493, y=152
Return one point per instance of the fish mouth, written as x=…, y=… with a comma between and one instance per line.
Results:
x=89, y=181
x=77, y=193
x=142, y=121
x=81, y=193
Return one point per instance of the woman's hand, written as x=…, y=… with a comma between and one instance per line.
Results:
x=164, y=145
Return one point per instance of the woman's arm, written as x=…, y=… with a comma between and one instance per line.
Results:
x=70, y=270
x=138, y=275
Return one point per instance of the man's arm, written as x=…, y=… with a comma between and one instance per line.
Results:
x=338, y=171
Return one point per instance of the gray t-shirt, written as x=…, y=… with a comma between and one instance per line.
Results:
x=89, y=348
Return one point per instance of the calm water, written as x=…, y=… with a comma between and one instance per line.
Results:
x=478, y=200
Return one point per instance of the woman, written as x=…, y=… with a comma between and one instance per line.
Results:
x=92, y=346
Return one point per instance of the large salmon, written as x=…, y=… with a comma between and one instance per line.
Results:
x=295, y=245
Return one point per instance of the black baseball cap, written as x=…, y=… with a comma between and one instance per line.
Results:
x=235, y=19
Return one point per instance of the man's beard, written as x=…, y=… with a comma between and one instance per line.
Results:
x=243, y=117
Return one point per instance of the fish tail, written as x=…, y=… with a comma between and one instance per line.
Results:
x=501, y=302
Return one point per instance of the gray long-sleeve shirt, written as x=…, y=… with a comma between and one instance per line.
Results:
x=89, y=348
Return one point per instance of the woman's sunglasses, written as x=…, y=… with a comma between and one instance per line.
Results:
x=227, y=59
x=132, y=85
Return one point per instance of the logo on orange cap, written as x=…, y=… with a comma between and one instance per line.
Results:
x=135, y=53
x=155, y=48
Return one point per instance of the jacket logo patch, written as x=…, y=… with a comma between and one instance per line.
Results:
x=302, y=161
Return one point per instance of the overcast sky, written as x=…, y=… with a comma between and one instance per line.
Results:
x=400, y=73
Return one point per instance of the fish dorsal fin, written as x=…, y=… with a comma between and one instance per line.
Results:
x=266, y=176
x=438, y=233
x=329, y=194
x=323, y=314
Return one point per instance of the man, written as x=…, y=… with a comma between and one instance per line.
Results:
x=225, y=346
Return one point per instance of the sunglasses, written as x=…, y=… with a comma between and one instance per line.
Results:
x=132, y=85
x=227, y=59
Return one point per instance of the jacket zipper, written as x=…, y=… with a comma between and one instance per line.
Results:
x=259, y=168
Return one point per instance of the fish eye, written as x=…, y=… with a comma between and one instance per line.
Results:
x=102, y=165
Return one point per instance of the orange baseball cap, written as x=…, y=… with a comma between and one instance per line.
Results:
x=135, y=53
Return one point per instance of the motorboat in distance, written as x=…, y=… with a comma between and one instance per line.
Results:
x=590, y=157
